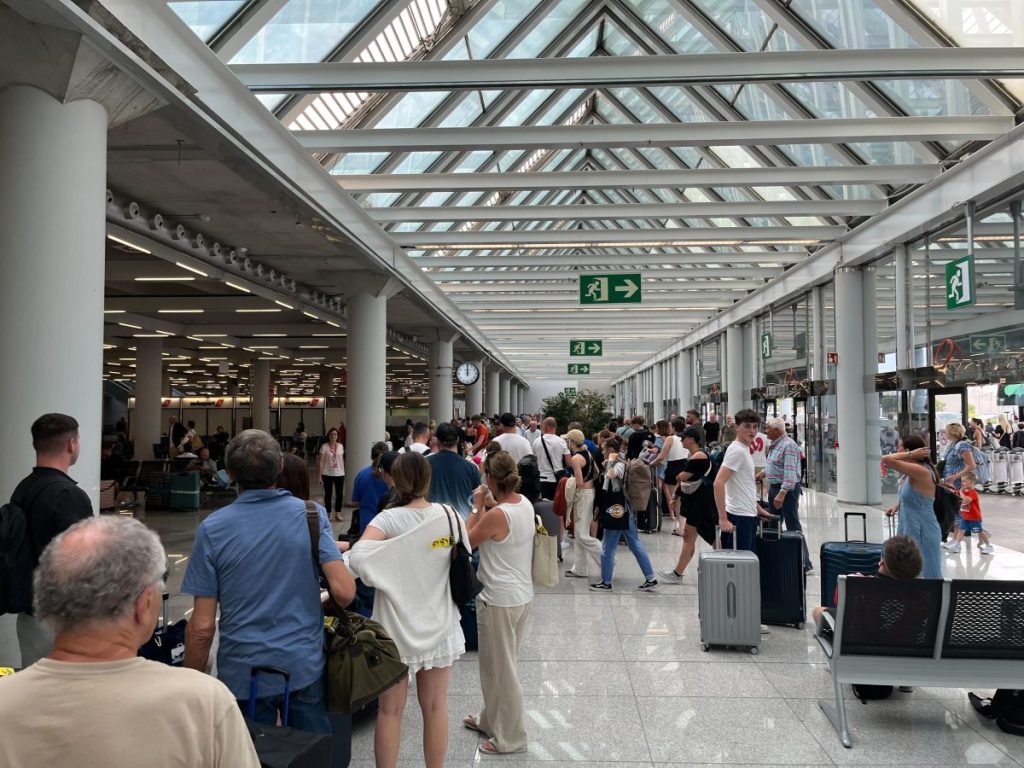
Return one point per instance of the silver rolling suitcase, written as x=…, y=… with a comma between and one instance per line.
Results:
x=729, y=598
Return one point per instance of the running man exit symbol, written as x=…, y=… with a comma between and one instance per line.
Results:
x=586, y=348
x=960, y=283
x=579, y=369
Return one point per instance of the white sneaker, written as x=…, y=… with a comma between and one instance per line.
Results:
x=987, y=549
x=952, y=547
x=672, y=577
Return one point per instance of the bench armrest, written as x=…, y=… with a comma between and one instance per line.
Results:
x=824, y=632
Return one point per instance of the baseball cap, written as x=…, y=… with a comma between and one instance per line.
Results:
x=447, y=433
x=575, y=436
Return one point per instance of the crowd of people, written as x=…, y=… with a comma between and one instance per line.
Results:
x=97, y=582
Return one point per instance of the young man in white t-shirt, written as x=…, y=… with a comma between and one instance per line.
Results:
x=735, y=487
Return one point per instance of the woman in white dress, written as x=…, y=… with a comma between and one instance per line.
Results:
x=405, y=553
x=332, y=473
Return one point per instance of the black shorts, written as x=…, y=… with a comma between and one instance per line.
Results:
x=673, y=468
x=704, y=518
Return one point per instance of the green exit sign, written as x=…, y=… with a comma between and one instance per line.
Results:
x=610, y=289
x=571, y=391
x=579, y=369
x=586, y=348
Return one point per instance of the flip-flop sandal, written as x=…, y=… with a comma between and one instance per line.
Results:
x=488, y=748
x=469, y=721
x=572, y=575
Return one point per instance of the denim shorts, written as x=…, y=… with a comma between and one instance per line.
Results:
x=970, y=526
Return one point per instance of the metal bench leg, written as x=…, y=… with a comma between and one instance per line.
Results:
x=836, y=714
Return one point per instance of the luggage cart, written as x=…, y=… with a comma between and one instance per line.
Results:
x=1000, y=472
x=1015, y=472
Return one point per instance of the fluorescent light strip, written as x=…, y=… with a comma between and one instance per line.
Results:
x=282, y=304
x=310, y=315
x=164, y=279
x=129, y=325
x=191, y=269
x=331, y=322
x=253, y=311
x=113, y=311
x=269, y=335
x=229, y=284
x=138, y=248
x=180, y=311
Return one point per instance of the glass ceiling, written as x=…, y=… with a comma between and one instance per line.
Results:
x=691, y=248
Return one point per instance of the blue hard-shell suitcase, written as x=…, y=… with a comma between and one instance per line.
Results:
x=844, y=557
x=783, y=583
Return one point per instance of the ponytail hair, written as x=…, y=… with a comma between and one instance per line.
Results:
x=411, y=475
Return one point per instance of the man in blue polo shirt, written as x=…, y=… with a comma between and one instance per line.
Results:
x=253, y=559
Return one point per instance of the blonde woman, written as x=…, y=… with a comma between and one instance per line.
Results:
x=587, y=549
x=504, y=532
x=405, y=553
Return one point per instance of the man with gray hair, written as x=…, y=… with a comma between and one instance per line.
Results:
x=92, y=701
x=782, y=473
x=253, y=559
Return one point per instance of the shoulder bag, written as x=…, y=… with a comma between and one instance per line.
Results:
x=559, y=473
x=362, y=660
x=545, y=556
x=462, y=579
x=689, y=487
x=946, y=505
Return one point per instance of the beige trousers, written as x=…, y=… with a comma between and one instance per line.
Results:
x=587, y=550
x=501, y=633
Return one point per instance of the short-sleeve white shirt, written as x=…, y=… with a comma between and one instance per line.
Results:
x=556, y=448
x=740, y=489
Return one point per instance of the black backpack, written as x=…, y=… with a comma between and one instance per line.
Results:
x=1006, y=707
x=15, y=560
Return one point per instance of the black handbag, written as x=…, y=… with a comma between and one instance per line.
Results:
x=945, y=506
x=462, y=579
x=362, y=659
x=558, y=473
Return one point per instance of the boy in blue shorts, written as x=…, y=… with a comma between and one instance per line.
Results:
x=970, y=517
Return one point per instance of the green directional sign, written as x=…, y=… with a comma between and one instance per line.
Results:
x=579, y=369
x=988, y=345
x=586, y=348
x=610, y=289
x=960, y=283
x=766, y=345
x=571, y=391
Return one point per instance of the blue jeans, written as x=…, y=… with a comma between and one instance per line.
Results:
x=789, y=513
x=745, y=533
x=611, y=543
x=306, y=709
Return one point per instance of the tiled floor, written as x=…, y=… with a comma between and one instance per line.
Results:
x=619, y=678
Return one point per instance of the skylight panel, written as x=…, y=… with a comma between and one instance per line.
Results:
x=206, y=18
x=497, y=24
x=548, y=29
x=672, y=26
x=853, y=23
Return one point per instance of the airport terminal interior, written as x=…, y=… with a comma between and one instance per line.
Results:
x=299, y=215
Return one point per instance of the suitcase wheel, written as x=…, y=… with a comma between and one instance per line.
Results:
x=705, y=647
x=800, y=625
x=753, y=650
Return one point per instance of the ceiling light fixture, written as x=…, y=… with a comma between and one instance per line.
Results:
x=191, y=269
x=282, y=304
x=254, y=311
x=133, y=246
x=164, y=279
x=229, y=284
x=180, y=311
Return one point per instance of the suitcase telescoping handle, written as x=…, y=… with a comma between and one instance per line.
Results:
x=761, y=530
x=251, y=710
x=863, y=521
x=718, y=537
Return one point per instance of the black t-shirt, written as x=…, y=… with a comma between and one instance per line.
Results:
x=699, y=506
x=52, y=503
x=711, y=430
x=635, y=446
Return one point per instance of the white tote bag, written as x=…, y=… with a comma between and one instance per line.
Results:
x=545, y=556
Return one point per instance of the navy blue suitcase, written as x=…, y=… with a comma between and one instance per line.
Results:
x=783, y=583
x=280, y=746
x=845, y=557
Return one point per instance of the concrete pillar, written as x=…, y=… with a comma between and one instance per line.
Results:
x=850, y=393
x=146, y=420
x=52, y=233
x=732, y=377
x=504, y=394
x=658, y=393
x=367, y=376
x=521, y=402
x=750, y=356
x=904, y=310
x=475, y=392
x=166, y=390
x=492, y=395
x=872, y=423
x=323, y=385
x=260, y=408
x=685, y=363
x=816, y=350
x=441, y=363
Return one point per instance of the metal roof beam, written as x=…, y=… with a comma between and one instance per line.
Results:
x=704, y=177
x=591, y=238
x=626, y=71
x=721, y=278
x=613, y=260
x=752, y=133
x=628, y=211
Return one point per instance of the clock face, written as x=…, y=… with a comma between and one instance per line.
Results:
x=467, y=373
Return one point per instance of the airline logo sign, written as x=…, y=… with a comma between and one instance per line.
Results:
x=579, y=369
x=610, y=289
x=586, y=348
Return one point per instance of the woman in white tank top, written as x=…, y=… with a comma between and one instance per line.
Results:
x=674, y=456
x=503, y=530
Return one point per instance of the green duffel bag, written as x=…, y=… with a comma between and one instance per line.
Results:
x=362, y=661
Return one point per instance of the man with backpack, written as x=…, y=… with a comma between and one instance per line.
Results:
x=44, y=504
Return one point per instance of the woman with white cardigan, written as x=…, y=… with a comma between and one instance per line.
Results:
x=405, y=553
x=502, y=526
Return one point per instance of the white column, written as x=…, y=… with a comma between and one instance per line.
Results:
x=366, y=406
x=493, y=395
x=904, y=310
x=658, y=393
x=475, y=392
x=816, y=352
x=685, y=363
x=732, y=377
x=751, y=351
x=504, y=394
x=872, y=423
x=52, y=233
x=441, y=362
x=260, y=403
x=146, y=419
x=850, y=393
